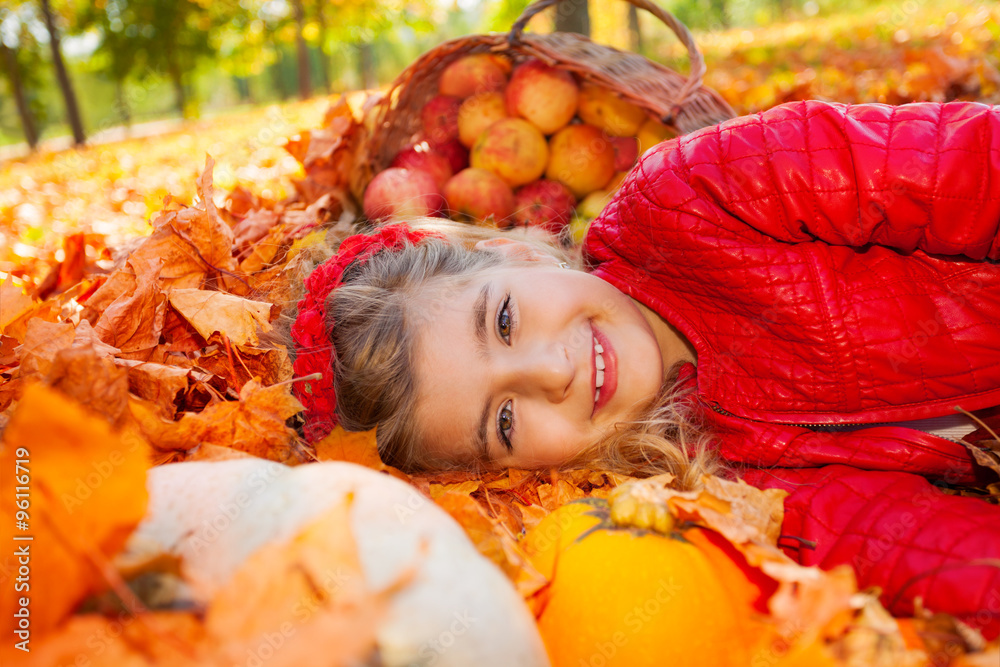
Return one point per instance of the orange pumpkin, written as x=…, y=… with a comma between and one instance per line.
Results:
x=630, y=597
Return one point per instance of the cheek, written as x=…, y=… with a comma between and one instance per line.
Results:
x=548, y=438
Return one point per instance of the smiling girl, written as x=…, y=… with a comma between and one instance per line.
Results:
x=800, y=297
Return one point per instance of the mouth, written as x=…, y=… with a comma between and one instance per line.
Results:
x=604, y=370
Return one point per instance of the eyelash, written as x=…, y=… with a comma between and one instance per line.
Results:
x=503, y=435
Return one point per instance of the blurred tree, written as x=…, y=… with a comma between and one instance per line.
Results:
x=302, y=51
x=324, y=54
x=573, y=16
x=118, y=52
x=62, y=76
x=634, y=30
x=362, y=22
x=10, y=66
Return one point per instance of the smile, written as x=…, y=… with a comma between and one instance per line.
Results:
x=605, y=379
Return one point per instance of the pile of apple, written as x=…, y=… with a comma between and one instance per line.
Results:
x=527, y=145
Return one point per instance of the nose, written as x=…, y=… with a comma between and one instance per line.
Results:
x=544, y=369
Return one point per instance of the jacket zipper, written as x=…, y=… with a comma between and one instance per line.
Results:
x=721, y=411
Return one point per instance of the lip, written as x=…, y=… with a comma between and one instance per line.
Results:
x=610, y=369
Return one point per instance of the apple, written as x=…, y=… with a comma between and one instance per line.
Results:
x=478, y=194
x=582, y=158
x=477, y=113
x=592, y=205
x=398, y=192
x=602, y=108
x=424, y=158
x=544, y=95
x=626, y=152
x=455, y=152
x=513, y=149
x=440, y=118
x=578, y=228
x=545, y=204
x=653, y=132
x=469, y=75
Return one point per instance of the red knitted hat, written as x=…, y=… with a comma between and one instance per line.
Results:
x=314, y=353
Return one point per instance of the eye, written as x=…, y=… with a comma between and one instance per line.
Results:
x=505, y=425
x=505, y=320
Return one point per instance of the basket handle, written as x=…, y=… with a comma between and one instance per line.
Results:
x=679, y=29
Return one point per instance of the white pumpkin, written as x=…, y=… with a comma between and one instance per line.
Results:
x=458, y=609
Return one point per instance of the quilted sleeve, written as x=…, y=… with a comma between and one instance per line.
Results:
x=897, y=532
x=919, y=176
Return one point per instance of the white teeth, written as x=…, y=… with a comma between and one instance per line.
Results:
x=599, y=367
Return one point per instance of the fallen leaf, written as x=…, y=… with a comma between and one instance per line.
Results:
x=13, y=302
x=42, y=341
x=154, y=382
x=87, y=492
x=354, y=447
x=254, y=424
x=93, y=380
x=133, y=322
x=210, y=312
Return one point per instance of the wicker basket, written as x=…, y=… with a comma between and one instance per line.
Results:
x=393, y=121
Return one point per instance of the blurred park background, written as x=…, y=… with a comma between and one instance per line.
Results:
x=146, y=88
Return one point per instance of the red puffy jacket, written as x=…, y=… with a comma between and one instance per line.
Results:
x=835, y=265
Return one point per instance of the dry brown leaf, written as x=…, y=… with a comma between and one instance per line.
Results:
x=133, y=322
x=492, y=541
x=354, y=447
x=209, y=312
x=14, y=303
x=158, y=383
x=42, y=341
x=254, y=424
x=88, y=491
x=93, y=380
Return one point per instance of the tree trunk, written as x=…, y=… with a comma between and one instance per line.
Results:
x=72, y=110
x=634, y=30
x=366, y=65
x=27, y=123
x=180, y=96
x=305, y=86
x=572, y=16
x=121, y=102
x=720, y=9
x=324, y=59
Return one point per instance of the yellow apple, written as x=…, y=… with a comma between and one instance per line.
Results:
x=513, y=149
x=477, y=113
x=582, y=158
x=602, y=108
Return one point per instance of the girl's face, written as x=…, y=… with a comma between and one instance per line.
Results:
x=508, y=365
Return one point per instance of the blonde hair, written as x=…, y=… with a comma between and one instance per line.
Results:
x=376, y=310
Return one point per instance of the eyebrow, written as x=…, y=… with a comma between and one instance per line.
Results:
x=482, y=338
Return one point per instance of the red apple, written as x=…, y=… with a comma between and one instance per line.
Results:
x=513, y=149
x=469, y=75
x=440, y=118
x=546, y=204
x=398, y=192
x=457, y=154
x=545, y=96
x=626, y=152
x=478, y=194
x=424, y=158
